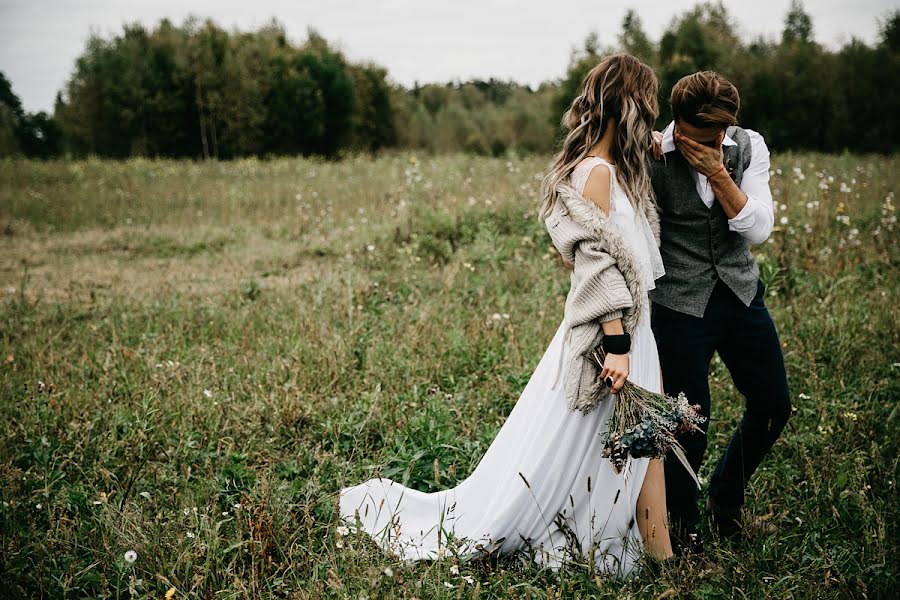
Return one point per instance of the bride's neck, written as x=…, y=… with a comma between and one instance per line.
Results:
x=604, y=147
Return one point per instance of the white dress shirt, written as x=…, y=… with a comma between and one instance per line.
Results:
x=757, y=217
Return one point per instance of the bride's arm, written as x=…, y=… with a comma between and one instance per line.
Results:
x=597, y=190
x=617, y=366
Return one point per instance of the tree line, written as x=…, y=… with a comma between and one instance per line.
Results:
x=198, y=91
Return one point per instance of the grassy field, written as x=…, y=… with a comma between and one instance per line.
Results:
x=195, y=357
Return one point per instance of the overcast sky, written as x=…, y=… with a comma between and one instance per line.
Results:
x=423, y=40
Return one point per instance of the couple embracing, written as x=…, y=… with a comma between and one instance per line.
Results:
x=656, y=229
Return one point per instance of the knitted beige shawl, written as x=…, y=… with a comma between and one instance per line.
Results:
x=606, y=285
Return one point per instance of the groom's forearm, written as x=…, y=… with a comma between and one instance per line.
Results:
x=727, y=193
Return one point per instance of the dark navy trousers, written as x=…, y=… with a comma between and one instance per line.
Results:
x=747, y=342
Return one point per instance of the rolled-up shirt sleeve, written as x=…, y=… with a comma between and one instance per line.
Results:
x=757, y=217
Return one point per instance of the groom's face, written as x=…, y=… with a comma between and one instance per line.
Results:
x=708, y=136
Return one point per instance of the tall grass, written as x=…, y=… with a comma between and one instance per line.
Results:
x=196, y=356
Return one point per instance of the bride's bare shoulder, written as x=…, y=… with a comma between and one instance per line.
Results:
x=597, y=186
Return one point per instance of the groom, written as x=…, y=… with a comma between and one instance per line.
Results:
x=712, y=186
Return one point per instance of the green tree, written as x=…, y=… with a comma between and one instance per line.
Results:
x=633, y=39
x=797, y=25
x=373, y=119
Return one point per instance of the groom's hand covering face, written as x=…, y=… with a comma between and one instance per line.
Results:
x=700, y=146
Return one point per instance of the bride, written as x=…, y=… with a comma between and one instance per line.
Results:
x=543, y=486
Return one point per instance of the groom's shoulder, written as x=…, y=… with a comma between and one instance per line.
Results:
x=751, y=136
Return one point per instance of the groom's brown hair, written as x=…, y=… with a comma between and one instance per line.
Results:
x=705, y=99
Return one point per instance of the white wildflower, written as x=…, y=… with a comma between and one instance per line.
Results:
x=130, y=556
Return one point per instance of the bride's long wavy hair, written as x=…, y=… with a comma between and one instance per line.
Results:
x=623, y=88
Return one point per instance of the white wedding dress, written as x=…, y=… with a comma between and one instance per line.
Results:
x=542, y=487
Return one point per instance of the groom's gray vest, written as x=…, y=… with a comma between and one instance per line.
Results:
x=697, y=247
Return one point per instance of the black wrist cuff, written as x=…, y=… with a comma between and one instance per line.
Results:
x=617, y=344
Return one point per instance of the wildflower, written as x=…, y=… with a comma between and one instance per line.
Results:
x=454, y=570
x=170, y=593
x=208, y=393
x=389, y=571
x=130, y=556
x=784, y=220
x=371, y=247
x=469, y=579
x=449, y=585
x=190, y=535
x=343, y=530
